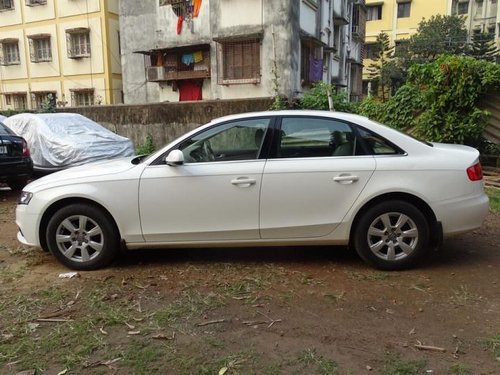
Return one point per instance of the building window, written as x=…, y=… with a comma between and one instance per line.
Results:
x=6, y=5
x=374, y=12
x=238, y=62
x=16, y=100
x=460, y=7
x=9, y=52
x=41, y=98
x=40, y=49
x=78, y=43
x=371, y=51
x=404, y=9
x=32, y=3
x=82, y=97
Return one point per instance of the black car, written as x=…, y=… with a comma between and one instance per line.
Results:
x=16, y=165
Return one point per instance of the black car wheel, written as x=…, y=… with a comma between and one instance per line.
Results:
x=392, y=235
x=82, y=237
x=17, y=184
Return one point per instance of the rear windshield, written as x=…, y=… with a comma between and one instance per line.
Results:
x=4, y=130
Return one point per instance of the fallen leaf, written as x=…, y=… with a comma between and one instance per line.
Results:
x=103, y=331
x=222, y=371
x=133, y=333
x=62, y=372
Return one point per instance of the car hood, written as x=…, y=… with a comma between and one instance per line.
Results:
x=102, y=170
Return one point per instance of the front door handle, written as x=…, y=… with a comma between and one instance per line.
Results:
x=346, y=179
x=244, y=181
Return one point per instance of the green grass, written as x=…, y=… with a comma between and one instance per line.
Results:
x=494, y=195
x=493, y=343
x=459, y=369
x=394, y=365
x=324, y=366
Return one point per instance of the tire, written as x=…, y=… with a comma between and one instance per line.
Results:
x=94, y=247
x=392, y=235
x=17, y=184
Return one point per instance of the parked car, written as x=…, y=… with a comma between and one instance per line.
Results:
x=61, y=140
x=269, y=178
x=16, y=165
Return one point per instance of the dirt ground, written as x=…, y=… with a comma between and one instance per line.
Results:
x=314, y=310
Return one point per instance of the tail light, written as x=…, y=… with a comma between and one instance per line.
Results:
x=475, y=172
x=26, y=150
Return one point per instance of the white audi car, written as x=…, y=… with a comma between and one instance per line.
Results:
x=268, y=178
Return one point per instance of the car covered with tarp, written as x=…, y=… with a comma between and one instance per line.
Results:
x=61, y=140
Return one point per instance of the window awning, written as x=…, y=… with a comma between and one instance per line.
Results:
x=236, y=38
x=78, y=30
x=39, y=36
x=184, y=48
x=9, y=40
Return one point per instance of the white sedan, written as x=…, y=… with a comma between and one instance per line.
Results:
x=269, y=178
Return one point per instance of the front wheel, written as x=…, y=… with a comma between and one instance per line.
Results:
x=82, y=237
x=392, y=235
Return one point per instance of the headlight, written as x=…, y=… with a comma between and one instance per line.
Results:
x=24, y=197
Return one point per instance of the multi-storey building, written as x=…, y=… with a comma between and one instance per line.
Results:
x=64, y=51
x=219, y=49
x=482, y=16
x=400, y=19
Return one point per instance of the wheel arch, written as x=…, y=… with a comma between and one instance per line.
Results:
x=436, y=232
x=55, y=206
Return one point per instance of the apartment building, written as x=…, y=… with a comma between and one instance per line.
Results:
x=62, y=51
x=176, y=50
x=481, y=16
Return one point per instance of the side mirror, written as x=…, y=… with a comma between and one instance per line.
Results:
x=175, y=157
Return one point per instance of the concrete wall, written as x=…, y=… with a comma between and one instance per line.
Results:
x=165, y=121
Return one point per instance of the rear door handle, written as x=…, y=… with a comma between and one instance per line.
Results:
x=244, y=181
x=346, y=179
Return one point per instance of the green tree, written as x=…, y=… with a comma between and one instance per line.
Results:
x=438, y=35
x=382, y=67
x=483, y=46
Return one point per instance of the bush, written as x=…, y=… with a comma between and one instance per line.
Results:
x=148, y=147
x=317, y=98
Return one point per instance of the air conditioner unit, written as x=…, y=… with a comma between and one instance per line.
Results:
x=155, y=73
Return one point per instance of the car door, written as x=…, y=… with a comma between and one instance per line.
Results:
x=317, y=170
x=214, y=194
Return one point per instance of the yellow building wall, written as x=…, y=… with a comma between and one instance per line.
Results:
x=102, y=71
x=400, y=28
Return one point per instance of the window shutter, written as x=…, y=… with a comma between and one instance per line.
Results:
x=1, y=54
x=31, y=43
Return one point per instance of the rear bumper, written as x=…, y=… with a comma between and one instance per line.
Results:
x=462, y=214
x=20, y=168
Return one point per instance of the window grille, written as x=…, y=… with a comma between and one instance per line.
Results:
x=39, y=98
x=238, y=62
x=78, y=43
x=82, y=97
x=40, y=48
x=9, y=52
x=16, y=100
x=6, y=5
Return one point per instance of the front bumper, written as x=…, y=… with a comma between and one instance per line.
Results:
x=28, y=224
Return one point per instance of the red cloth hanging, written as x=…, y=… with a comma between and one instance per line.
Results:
x=180, y=20
x=189, y=90
x=196, y=7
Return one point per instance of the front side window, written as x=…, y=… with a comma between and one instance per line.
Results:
x=239, y=62
x=10, y=53
x=240, y=140
x=404, y=10
x=302, y=137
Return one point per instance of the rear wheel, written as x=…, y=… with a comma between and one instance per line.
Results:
x=17, y=184
x=392, y=235
x=82, y=237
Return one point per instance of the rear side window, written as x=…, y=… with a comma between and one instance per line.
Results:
x=4, y=130
x=302, y=137
x=378, y=145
